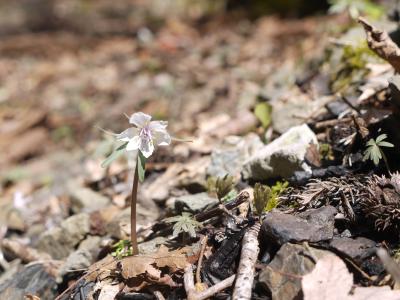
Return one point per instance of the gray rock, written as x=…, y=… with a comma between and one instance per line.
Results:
x=84, y=199
x=357, y=249
x=191, y=203
x=314, y=225
x=282, y=277
x=229, y=157
x=282, y=157
x=83, y=257
x=152, y=245
x=60, y=241
x=33, y=280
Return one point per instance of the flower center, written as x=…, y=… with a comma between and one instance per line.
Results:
x=145, y=133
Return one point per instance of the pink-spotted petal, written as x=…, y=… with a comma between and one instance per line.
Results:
x=146, y=147
x=139, y=119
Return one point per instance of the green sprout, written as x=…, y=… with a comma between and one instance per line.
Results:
x=374, y=151
x=224, y=188
x=262, y=196
x=122, y=249
x=266, y=198
x=184, y=223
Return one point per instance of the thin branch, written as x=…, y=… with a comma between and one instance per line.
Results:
x=203, y=248
x=191, y=291
x=248, y=259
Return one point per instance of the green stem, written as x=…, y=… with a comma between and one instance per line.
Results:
x=135, y=249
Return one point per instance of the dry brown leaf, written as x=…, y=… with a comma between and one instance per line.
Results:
x=135, y=265
x=380, y=42
x=331, y=280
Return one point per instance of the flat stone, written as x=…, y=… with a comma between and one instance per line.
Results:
x=357, y=249
x=315, y=225
x=282, y=157
x=282, y=277
x=191, y=203
x=152, y=245
x=60, y=241
x=228, y=158
x=33, y=279
x=84, y=199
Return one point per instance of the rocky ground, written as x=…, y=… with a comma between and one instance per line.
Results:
x=293, y=104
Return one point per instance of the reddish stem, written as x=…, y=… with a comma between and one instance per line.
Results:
x=135, y=249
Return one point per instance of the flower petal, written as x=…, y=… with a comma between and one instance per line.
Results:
x=146, y=147
x=127, y=134
x=158, y=125
x=161, y=138
x=139, y=119
x=133, y=144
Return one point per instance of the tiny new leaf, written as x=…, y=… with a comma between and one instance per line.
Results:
x=263, y=112
x=141, y=161
x=113, y=156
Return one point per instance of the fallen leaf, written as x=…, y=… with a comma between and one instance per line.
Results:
x=133, y=266
x=331, y=280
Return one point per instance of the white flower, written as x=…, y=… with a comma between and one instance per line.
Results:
x=145, y=135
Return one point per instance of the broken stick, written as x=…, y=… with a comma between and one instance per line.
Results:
x=248, y=258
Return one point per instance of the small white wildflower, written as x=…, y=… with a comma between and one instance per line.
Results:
x=145, y=135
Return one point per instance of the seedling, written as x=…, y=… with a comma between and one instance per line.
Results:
x=224, y=188
x=266, y=198
x=143, y=137
x=374, y=150
x=121, y=249
x=262, y=195
x=184, y=223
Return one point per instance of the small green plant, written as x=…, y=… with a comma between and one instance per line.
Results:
x=184, y=223
x=263, y=112
x=262, y=196
x=325, y=151
x=122, y=248
x=374, y=150
x=357, y=7
x=266, y=198
x=224, y=188
x=143, y=137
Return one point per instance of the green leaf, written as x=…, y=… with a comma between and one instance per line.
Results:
x=117, y=153
x=184, y=223
x=263, y=112
x=381, y=138
x=141, y=161
x=385, y=144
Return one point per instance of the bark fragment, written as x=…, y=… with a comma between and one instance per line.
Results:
x=380, y=42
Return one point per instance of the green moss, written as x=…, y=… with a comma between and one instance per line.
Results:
x=351, y=65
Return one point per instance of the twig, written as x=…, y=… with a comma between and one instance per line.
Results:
x=203, y=248
x=390, y=265
x=248, y=258
x=216, y=211
x=191, y=291
x=158, y=295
